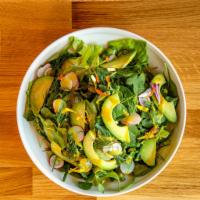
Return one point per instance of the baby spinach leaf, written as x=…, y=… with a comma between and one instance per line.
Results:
x=84, y=185
x=101, y=176
x=127, y=98
x=103, y=129
x=138, y=82
x=119, y=112
x=133, y=132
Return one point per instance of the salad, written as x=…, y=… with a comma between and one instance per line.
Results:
x=100, y=112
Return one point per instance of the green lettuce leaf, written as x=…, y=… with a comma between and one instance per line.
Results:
x=130, y=44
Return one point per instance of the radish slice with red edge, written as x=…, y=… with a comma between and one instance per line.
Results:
x=69, y=81
x=44, y=144
x=55, y=162
x=132, y=119
x=43, y=70
x=77, y=133
x=127, y=167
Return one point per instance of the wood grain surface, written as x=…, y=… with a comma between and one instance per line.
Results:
x=28, y=26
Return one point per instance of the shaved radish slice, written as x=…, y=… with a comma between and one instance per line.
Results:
x=111, y=57
x=48, y=71
x=56, y=162
x=127, y=167
x=113, y=149
x=143, y=100
x=144, y=97
x=58, y=105
x=111, y=69
x=132, y=119
x=146, y=93
x=77, y=133
x=44, y=144
x=156, y=90
x=41, y=71
x=69, y=81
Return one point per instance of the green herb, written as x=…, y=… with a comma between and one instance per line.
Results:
x=66, y=168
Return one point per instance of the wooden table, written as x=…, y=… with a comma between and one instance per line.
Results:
x=27, y=26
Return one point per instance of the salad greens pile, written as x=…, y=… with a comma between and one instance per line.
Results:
x=100, y=112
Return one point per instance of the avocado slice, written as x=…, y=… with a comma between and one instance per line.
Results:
x=39, y=91
x=120, y=132
x=77, y=117
x=51, y=132
x=148, y=152
x=68, y=65
x=28, y=114
x=73, y=65
x=93, y=156
x=168, y=110
x=159, y=79
x=165, y=107
x=120, y=62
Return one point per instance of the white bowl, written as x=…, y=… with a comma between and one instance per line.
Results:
x=101, y=36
